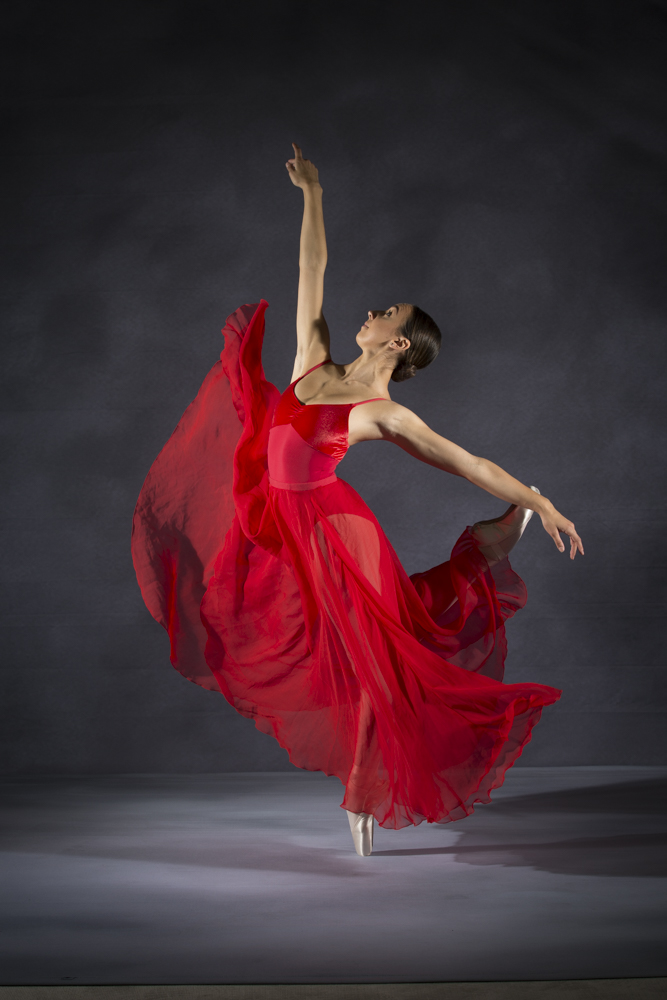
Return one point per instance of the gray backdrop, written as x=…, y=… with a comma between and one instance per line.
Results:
x=501, y=164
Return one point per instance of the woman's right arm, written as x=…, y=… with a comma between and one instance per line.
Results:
x=409, y=432
x=390, y=421
x=312, y=332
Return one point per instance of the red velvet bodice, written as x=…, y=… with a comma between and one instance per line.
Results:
x=307, y=441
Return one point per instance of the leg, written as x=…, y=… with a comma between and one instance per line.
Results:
x=498, y=536
x=362, y=824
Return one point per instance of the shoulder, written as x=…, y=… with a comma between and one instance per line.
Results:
x=386, y=411
x=308, y=361
x=383, y=419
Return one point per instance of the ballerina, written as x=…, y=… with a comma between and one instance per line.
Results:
x=279, y=588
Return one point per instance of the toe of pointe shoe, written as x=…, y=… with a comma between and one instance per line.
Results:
x=497, y=536
x=478, y=526
x=361, y=827
x=514, y=519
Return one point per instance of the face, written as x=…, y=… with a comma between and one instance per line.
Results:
x=382, y=326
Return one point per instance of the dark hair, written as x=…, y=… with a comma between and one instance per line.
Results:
x=425, y=339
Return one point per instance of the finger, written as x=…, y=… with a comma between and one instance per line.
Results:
x=297, y=151
x=576, y=545
x=559, y=541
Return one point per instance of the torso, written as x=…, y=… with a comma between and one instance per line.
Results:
x=321, y=387
x=308, y=439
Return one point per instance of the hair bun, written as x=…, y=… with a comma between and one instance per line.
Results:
x=425, y=339
x=403, y=371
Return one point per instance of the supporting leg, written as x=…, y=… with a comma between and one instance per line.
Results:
x=361, y=826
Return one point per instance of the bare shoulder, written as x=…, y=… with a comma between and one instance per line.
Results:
x=382, y=420
x=307, y=359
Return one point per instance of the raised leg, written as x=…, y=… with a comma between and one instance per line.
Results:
x=496, y=537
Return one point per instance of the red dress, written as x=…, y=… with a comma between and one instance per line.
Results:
x=279, y=588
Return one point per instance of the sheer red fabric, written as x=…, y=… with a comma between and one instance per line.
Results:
x=279, y=588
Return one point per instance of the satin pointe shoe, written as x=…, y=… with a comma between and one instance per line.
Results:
x=498, y=536
x=361, y=825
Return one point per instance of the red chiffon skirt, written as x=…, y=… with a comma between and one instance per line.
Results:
x=295, y=606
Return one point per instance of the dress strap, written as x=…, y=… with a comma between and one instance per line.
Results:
x=375, y=399
x=326, y=362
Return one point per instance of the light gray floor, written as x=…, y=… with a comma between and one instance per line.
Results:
x=253, y=879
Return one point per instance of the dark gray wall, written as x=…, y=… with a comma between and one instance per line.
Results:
x=501, y=164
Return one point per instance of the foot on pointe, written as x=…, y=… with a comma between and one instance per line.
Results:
x=361, y=825
x=498, y=536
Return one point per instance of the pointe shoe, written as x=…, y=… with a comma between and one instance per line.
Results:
x=498, y=536
x=361, y=825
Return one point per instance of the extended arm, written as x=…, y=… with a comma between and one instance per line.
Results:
x=398, y=424
x=312, y=332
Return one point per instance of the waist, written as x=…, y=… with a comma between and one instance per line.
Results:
x=302, y=486
x=294, y=462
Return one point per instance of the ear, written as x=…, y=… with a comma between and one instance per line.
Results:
x=400, y=344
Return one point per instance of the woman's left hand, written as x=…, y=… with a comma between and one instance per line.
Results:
x=553, y=522
x=303, y=173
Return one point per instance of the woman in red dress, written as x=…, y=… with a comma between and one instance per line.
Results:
x=279, y=588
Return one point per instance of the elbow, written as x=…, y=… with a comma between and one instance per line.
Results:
x=473, y=467
x=314, y=265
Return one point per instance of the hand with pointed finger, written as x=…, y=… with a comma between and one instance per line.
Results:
x=302, y=172
x=553, y=523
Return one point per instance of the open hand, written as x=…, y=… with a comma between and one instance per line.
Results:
x=553, y=523
x=302, y=172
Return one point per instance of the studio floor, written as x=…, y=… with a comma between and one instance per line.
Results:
x=252, y=878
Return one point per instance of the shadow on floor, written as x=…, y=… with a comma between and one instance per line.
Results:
x=634, y=855
x=625, y=855
x=647, y=797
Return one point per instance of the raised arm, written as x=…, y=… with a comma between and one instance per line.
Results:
x=392, y=422
x=312, y=332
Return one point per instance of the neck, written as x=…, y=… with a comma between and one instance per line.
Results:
x=371, y=371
